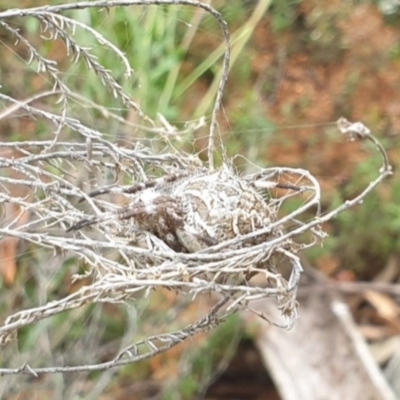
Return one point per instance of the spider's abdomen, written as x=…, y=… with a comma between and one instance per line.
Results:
x=220, y=206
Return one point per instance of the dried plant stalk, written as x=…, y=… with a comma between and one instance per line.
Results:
x=181, y=224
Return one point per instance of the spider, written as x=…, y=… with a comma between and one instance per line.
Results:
x=191, y=212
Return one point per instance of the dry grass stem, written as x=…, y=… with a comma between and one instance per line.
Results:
x=137, y=219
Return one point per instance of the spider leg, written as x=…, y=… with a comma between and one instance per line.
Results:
x=120, y=189
x=137, y=187
x=193, y=242
x=85, y=222
x=100, y=191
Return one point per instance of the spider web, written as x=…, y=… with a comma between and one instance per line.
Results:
x=117, y=141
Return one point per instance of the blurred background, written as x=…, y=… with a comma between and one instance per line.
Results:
x=297, y=66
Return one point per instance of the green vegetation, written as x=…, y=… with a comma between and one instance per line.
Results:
x=295, y=68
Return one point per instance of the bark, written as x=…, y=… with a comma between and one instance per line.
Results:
x=324, y=355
